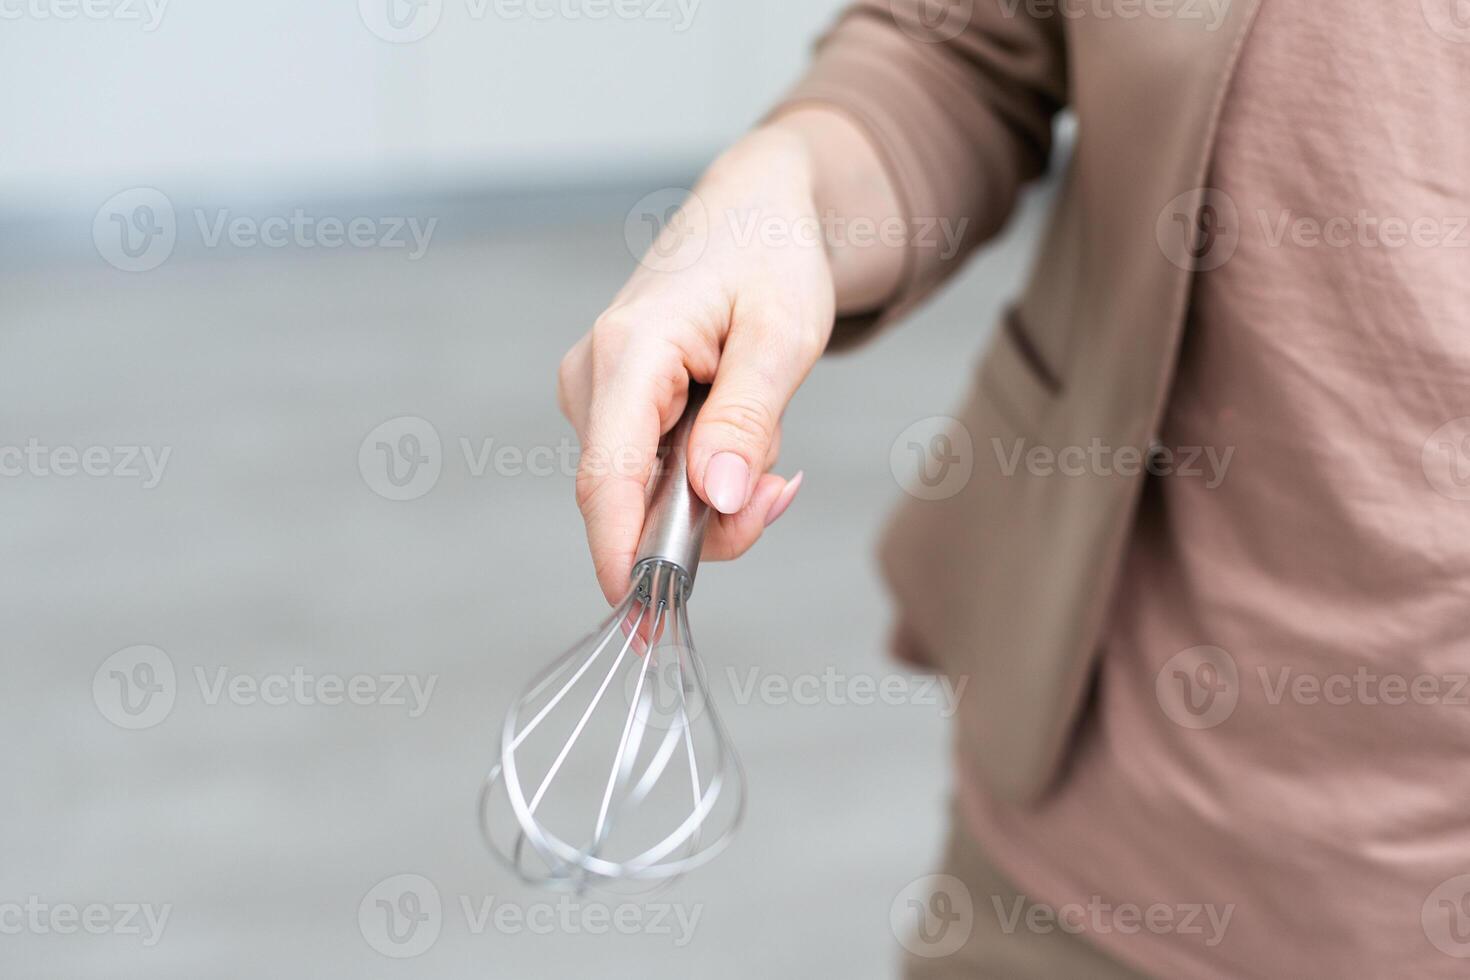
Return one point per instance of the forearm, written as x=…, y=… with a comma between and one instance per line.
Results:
x=856, y=202
x=938, y=125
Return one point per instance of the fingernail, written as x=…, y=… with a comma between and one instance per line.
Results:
x=788, y=494
x=725, y=481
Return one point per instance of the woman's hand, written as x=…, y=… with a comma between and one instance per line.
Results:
x=739, y=292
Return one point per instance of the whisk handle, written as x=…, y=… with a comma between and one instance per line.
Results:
x=673, y=529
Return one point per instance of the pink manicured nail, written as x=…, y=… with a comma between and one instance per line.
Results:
x=788, y=494
x=725, y=481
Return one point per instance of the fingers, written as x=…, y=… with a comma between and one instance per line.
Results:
x=626, y=383
x=731, y=535
x=574, y=383
x=736, y=433
x=637, y=390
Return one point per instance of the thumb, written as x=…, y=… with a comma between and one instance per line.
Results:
x=731, y=444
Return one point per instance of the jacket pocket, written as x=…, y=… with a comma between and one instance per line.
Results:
x=1014, y=376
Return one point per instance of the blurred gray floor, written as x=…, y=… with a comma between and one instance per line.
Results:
x=263, y=550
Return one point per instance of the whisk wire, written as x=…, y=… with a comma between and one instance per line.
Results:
x=613, y=777
x=645, y=830
x=587, y=715
x=557, y=668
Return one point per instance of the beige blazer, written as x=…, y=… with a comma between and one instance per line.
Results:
x=1009, y=580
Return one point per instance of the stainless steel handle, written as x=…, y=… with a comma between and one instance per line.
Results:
x=673, y=528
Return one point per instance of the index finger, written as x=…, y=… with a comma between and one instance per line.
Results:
x=620, y=447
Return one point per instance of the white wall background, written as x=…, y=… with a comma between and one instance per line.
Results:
x=272, y=94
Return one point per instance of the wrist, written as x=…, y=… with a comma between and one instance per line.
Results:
x=821, y=137
x=847, y=179
x=769, y=157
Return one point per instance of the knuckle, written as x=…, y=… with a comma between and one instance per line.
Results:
x=738, y=540
x=613, y=325
x=566, y=380
x=588, y=486
x=787, y=326
x=809, y=346
x=747, y=418
x=599, y=473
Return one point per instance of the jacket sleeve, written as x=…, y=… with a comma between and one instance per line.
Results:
x=958, y=96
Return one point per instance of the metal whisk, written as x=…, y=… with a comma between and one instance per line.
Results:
x=614, y=766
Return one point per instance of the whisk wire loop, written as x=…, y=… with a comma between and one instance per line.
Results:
x=654, y=647
x=646, y=829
